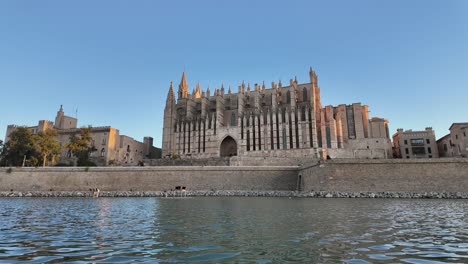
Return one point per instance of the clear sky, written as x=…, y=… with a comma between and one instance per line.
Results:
x=114, y=60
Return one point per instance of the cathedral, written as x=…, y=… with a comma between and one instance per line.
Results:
x=276, y=121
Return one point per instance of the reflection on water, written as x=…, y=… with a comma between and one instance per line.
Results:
x=233, y=230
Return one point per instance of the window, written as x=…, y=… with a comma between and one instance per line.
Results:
x=429, y=150
x=233, y=119
x=417, y=142
x=304, y=94
x=406, y=142
x=430, y=156
x=406, y=150
x=428, y=141
x=407, y=157
x=464, y=133
x=445, y=147
x=103, y=152
x=103, y=141
x=418, y=151
x=69, y=154
x=288, y=97
x=456, y=136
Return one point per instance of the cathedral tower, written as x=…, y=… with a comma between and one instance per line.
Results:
x=168, y=145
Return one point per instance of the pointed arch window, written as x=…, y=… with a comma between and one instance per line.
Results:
x=288, y=97
x=304, y=94
x=103, y=152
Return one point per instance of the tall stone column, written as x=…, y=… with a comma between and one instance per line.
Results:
x=268, y=132
x=262, y=132
x=307, y=132
x=274, y=131
x=286, y=125
x=280, y=128
x=339, y=132
x=250, y=132
x=299, y=129
x=323, y=130
x=293, y=126
x=243, y=138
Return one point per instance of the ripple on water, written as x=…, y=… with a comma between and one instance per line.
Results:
x=423, y=261
x=254, y=230
x=357, y=261
x=380, y=257
x=207, y=257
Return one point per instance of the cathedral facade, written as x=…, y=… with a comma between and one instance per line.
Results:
x=278, y=121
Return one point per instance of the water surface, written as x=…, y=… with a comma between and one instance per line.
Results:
x=232, y=230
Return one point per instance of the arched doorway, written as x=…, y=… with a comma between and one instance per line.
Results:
x=228, y=147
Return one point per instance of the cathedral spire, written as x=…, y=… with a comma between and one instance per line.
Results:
x=198, y=92
x=313, y=78
x=170, y=94
x=183, y=87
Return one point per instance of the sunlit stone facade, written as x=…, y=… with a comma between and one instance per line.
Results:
x=111, y=148
x=278, y=121
x=411, y=144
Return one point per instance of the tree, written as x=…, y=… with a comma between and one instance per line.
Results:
x=47, y=145
x=1, y=152
x=81, y=146
x=19, y=147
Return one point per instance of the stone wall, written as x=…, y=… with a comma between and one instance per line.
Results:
x=148, y=178
x=422, y=175
x=218, y=161
x=351, y=176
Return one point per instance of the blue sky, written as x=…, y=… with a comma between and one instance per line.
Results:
x=114, y=60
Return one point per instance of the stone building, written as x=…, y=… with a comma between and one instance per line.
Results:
x=454, y=144
x=279, y=121
x=411, y=144
x=111, y=147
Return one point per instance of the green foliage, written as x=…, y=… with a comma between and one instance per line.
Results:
x=47, y=145
x=85, y=163
x=20, y=146
x=175, y=156
x=81, y=147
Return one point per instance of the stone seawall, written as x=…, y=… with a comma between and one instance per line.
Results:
x=442, y=178
x=418, y=176
x=148, y=178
